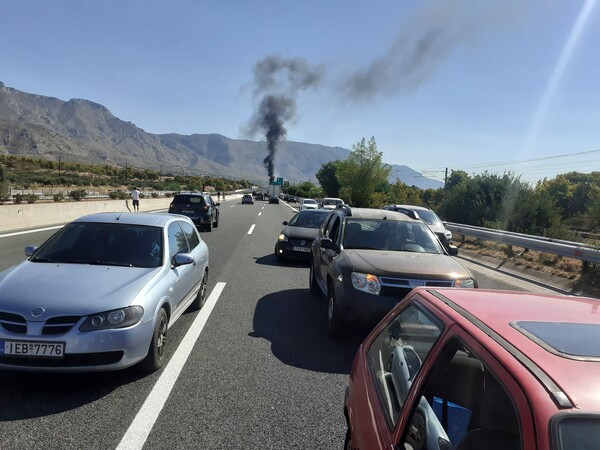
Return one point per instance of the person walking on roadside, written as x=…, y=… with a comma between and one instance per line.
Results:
x=135, y=196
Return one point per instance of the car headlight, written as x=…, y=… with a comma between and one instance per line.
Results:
x=366, y=282
x=282, y=238
x=117, y=318
x=466, y=283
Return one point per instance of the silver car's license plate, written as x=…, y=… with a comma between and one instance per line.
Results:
x=301, y=249
x=32, y=349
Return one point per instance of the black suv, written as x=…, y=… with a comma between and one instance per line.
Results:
x=366, y=260
x=201, y=208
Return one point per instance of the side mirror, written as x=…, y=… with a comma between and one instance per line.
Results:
x=285, y=222
x=217, y=204
x=452, y=249
x=30, y=250
x=182, y=259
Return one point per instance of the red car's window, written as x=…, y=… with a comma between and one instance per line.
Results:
x=464, y=406
x=577, y=431
x=395, y=357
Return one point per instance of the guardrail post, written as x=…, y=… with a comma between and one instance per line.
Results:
x=462, y=239
x=585, y=266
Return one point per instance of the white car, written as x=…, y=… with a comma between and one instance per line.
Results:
x=308, y=203
x=331, y=203
x=101, y=293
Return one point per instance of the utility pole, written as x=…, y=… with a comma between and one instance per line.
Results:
x=59, y=167
x=446, y=178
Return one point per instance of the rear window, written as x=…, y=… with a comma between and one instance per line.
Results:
x=429, y=217
x=188, y=200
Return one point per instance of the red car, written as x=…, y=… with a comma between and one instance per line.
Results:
x=474, y=369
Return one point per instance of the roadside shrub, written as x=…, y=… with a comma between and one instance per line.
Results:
x=31, y=198
x=4, y=198
x=118, y=195
x=155, y=195
x=18, y=198
x=77, y=194
x=59, y=197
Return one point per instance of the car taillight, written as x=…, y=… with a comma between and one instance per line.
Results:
x=171, y=206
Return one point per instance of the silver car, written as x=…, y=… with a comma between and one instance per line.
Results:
x=101, y=293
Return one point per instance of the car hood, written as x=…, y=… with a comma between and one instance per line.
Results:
x=300, y=232
x=406, y=264
x=70, y=289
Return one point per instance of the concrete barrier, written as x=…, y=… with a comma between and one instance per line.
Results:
x=18, y=217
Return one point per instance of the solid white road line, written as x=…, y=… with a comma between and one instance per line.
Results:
x=251, y=229
x=142, y=424
x=30, y=231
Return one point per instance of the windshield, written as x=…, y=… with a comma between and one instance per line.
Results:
x=312, y=202
x=308, y=219
x=390, y=235
x=331, y=201
x=103, y=244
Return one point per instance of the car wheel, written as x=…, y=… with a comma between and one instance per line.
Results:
x=156, y=353
x=312, y=281
x=335, y=325
x=200, y=299
x=217, y=222
x=209, y=226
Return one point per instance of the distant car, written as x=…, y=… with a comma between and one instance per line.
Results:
x=292, y=199
x=430, y=218
x=296, y=237
x=101, y=293
x=247, y=198
x=331, y=203
x=471, y=370
x=366, y=260
x=274, y=199
x=200, y=207
x=308, y=203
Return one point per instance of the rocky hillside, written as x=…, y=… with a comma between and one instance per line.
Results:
x=81, y=130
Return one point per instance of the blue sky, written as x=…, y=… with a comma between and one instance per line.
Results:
x=463, y=84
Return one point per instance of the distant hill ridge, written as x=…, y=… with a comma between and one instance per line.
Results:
x=84, y=131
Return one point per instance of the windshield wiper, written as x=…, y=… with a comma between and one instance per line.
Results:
x=45, y=260
x=97, y=263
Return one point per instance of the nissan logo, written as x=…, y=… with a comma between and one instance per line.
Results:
x=37, y=312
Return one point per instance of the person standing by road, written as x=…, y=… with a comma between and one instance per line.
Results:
x=135, y=196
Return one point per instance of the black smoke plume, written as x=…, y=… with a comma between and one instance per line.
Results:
x=277, y=82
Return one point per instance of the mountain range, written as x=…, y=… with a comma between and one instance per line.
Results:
x=83, y=131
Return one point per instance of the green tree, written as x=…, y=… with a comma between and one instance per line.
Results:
x=327, y=176
x=362, y=173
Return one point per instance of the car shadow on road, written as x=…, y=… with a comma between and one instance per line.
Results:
x=296, y=324
x=29, y=395
x=271, y=260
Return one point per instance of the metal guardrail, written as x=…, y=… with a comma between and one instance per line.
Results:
x=577, y=250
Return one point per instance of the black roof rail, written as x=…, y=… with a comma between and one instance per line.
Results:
x=409, y=212
x=346, y=208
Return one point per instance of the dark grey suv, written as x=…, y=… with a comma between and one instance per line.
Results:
x=199, y=207
x=366, y=260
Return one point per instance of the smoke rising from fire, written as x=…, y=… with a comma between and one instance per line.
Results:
x=277, y=82
x=425, y=42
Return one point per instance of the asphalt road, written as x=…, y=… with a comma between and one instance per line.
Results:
x=263, y=373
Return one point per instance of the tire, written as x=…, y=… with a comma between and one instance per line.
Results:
x=200, y=299
x=156, y=353
x=335, y=325
x=312, y=282
x=217, y=222
x=209, y=226
x=348, y=441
